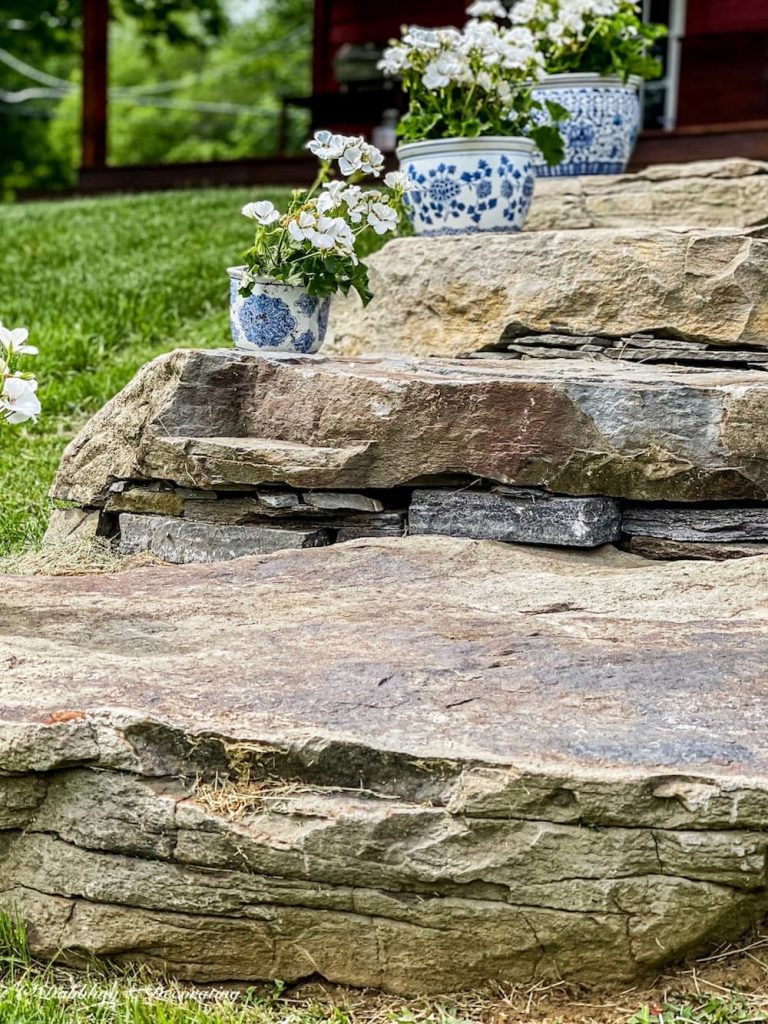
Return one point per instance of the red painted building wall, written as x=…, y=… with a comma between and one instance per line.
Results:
x=708, y=16
x=724, y=63
x=372, y=21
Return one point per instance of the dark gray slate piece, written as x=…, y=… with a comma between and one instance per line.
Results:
x=517, y=515
x=697, y=524
x=660, y=549
x=180, y=541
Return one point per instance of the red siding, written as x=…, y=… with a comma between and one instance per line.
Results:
x=710, y=16
x=376, y=21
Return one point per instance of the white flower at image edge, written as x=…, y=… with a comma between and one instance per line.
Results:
x=487, y=9
x=18, y=400
x=382, y=218
x=263, y=213
x=15, y=341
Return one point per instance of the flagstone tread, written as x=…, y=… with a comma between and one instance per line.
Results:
x=219, y=420
x=418, y=764
x=443, y=296
x=706, y=193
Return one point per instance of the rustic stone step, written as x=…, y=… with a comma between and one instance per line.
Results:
x=442, y=296
x=420, y=765
x=520, y=516
x=180, y=540
x=707, y=193
x=646, y=433
x=697, y=524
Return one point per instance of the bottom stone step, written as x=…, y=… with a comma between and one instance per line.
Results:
x=419, y=765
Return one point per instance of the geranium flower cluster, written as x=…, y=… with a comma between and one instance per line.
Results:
x=472, y=81
x=18, y=389
x=314, y=243
x=603, y=36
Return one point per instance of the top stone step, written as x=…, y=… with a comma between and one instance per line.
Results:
x=708, y=193
x=445, y=296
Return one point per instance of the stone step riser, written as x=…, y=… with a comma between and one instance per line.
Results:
x=228, y=527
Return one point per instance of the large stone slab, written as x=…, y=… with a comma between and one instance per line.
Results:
x=222, y=420
x=419, y=764
x=707, y=193
x=444, y=296
x=522, y=517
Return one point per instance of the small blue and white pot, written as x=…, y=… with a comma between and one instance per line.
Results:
x=276, y=317
x=602, y=130
x=469, y=185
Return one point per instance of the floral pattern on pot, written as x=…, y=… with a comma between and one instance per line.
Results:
x=276, y=317
x=469, y=185
x=602, y=130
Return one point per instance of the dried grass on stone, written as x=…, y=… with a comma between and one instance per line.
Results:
x=84, y=557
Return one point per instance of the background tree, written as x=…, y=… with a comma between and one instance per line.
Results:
x=187, y=82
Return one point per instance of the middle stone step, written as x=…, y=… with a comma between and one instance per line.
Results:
x=445, y=296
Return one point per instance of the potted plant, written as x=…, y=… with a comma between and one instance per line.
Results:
x=596, y=53
x=18, y=388
x=280, y=298
x=471, y=132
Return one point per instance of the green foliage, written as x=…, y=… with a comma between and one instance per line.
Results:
x=134, y=277
x=104, y=285
x=618, y=45
x=702, y=1010
x=242, y=69
x=454, y=112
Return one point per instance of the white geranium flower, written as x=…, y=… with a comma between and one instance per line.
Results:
x=359, y=155
x=327, y=146
x=382, y=218
x=425, y=40
x=263, y=213
x=394, y=60
x=447, y=68
x=18, y=399
x=487, y=9
x=332, y=232
x=15, y=341
x=399, y=181
x=300, y=228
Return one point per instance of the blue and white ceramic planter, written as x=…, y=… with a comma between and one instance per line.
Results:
x=276, y=317
x=602, y=130
x=469, y=185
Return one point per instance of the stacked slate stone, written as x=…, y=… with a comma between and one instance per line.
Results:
x=611, y=389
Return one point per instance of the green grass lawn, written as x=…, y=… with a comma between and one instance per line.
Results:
x=33, y=993
x=105, y=285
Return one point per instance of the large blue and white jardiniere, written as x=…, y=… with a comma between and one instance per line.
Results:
x=276, y=317
x=469, y=185
x=603, y=126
